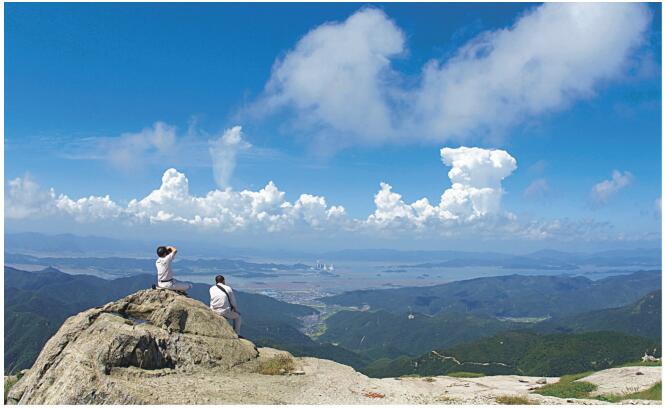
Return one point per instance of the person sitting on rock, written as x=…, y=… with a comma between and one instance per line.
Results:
x=223, y=302
x=165, y=276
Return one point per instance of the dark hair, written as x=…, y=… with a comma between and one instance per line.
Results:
x=162, y=251
x=219, y=279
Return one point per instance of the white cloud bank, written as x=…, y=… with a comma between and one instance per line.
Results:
x=338, y=78
x=25, y=199
x=264, y=210
x=229, y=210
x=470, y=207
x=603, y=191
x=475, y=193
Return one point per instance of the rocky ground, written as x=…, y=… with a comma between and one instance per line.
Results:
x=624, y=380
x=155, y=347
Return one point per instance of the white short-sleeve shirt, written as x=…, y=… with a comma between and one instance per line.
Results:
x=163, y=265
x=219, y=300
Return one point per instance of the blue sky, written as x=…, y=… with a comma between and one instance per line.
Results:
x=80, y=78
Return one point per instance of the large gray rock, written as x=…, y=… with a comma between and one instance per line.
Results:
x=152, y=330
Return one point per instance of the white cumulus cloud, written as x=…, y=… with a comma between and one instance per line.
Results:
x=92, y=208
x=339, y=75
x=550, y=57
x=476, y=191
x=263, y=210
x=24, y=198
x=223, y=154
x=338, y=79
x=603, y=191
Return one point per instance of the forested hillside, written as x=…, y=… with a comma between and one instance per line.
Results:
x=642, y=318
x=383, y=334
x=524, y=353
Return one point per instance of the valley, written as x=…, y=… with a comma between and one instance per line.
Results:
x=360, y=329
x=375, y=311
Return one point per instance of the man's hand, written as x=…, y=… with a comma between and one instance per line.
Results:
x=172, y=248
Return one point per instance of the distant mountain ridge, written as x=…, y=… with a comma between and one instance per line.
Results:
x=123, y=266
x=508, y=296
x=37, y=244
x=71, y=244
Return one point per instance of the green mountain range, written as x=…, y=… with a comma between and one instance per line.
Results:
x=390, y=341
x=396, y=340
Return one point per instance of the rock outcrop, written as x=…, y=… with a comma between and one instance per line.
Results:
x=157, y=347
x=150, y=330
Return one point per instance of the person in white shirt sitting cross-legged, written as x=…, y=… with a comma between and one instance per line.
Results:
x=165, y=276
x=223, y=302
